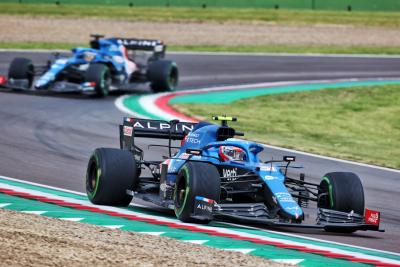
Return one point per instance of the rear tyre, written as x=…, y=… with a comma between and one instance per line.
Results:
x=341, y=191
x=163, y=75
x=101, y=75
x=22, y=68
x=195, y=179
x=110, y=172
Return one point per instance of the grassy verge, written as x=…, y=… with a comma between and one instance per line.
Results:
x=321, y=49
x=387, y=19
x=359, y=124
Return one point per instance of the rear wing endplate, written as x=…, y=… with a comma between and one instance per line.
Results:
x=135, y=127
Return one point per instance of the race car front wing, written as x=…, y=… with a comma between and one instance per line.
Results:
x=258, y=214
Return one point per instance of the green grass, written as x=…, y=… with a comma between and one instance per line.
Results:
x=322, y=49
x=361, y=124
x=38, y=45
x=387, y=19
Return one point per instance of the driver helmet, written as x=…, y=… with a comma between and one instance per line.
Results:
x=231, y=153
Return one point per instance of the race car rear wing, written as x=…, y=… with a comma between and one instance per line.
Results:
x=156, y=46
x=135, y=127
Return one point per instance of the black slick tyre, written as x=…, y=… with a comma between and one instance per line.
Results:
x=344, y=192
x=341, y=191
x=163, y=75
x=99, y=74
x=110, y=172
x=195, y=179
x=22, y=68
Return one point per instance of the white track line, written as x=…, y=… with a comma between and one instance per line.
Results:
x=233, y=224
x=198, y=242
x=113, y=226
x=152, y=233
x=308, y=238
x=217, y=229
x=288, y=261
x=72, y=219
x=334, y=159
x=227, y=53
x=148, y=103
x=119, y=103
x=241, y=250
x=42, y=185
x=36, y=212
x=55, y=188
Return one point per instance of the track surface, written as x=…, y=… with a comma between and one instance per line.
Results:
x=49, y=138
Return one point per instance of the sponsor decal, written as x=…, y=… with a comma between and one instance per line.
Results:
x=162, y=126
x=372, y=217
x=184, y=156
x=269, y=177
x=114, y=48
x=204, y=207
x=118, y=59
x=61, y=61
x=137, y=42
x=227, y=173
x=193, y=138
x=284, y=197
x=128, y=130
x=268, y=168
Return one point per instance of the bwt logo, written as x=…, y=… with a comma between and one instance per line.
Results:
x=374, y=218
x=229, y=172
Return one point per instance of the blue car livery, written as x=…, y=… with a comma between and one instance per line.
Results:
x=212, y=175
x=109, y=64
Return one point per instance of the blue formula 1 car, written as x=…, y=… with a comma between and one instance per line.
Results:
x=214, y=176
x=109, y=64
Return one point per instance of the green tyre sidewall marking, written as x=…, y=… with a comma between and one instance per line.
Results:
x=330, y=190
x=171, y=86
x=93, y=193
x=103, y=82
x=179, y=210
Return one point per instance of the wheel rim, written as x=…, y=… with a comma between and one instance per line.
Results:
x=105, y=82
x=324, y=196
x=92, y=177
x=31, y=73
x=180, y=192
x=173, y=79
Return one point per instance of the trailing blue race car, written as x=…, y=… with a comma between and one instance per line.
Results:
x=214, y=176
x=110, y=64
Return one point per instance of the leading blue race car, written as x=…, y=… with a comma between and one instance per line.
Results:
x=109, y=64
x=214, y=176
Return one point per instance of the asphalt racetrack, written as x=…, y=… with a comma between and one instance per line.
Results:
x=48, y=138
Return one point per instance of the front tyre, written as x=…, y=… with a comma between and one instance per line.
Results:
x=110, y=172
x=341, y=191
x=99, y=74
x=195, y=179
x=22, y=69
x=163, y=75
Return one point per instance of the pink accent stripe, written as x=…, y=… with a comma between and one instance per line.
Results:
x=193, y=228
